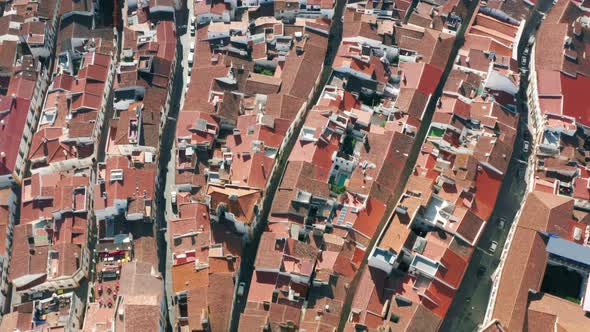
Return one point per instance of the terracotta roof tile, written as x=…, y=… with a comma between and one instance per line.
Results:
x=528, y=252
x=544, y=310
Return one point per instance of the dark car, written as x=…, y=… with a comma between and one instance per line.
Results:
x=481, y=271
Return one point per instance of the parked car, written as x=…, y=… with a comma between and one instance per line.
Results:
x=241, y=288
x=192, y=48
x=481, y=271
x=501, y=222
x=191, y=59
x=193, y=25
x=531, y=41
x=525, y=147
x=173, y=198
x=493, y=247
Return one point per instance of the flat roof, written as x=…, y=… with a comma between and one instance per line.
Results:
x=425, y=265
x=568, y=249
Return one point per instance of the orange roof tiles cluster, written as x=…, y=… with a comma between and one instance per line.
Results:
x=206, y=257
x=52, y=231
x=129, y=179
x=487, y=59
x=71, y=110
x=128, y=290
x=343, y=144
x=561, y=76
x=561, y=67
x=222, y=96
x=436, y=185
x=19, y=76
x=455, y=191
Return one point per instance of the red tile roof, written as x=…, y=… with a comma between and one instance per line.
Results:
x=46, y=145
x=21, y=86
x=453, y=268
x=581, y=190
x=421, y=76
x=242, y=207
x=527, y=252
x=42, y=195
x=137, y=185
x=27, y=262
x=575, y=102
x=547, y=213
x=13, y=114
x=487, y=184
x=369, y=218
x=438, y=298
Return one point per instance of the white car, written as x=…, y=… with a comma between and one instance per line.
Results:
x=241, y=287
x=192, y=48
x=525, y=147
x=173, y=197
x=493, y=247
x=193, y=24
x=191, y=59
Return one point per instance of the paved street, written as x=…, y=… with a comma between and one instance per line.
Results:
x=167, y=160
x=185, y=40
x=470, y=303
x=250, y=249
x=183, y=30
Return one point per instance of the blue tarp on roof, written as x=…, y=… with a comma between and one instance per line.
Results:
x=569, y=250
